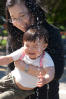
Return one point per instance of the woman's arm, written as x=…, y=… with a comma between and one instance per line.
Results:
x=48, y=77
x=5, y=60
x=11, y=57
x=45, y=75
x=55, y=49
x=32, y=70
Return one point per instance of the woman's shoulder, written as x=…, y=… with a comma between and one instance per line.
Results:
x=51, y=27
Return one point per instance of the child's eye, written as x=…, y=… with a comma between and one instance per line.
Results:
x=27, y=45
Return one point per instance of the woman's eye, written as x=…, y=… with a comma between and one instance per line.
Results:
x=14, y=19
x=23, y=15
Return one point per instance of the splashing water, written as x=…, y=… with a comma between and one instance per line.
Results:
x=38, y=44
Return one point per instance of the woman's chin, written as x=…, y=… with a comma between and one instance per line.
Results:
x=23, y=29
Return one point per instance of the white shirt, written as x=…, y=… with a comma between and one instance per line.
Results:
x=24, y=78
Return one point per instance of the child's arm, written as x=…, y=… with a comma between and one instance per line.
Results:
x=11, y=57
x=5, y=60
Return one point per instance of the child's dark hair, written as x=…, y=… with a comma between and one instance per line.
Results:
x=34, y=33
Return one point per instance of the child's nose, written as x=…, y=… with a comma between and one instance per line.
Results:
x=31, y=48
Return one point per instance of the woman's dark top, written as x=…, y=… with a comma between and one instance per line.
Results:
x=55, y=49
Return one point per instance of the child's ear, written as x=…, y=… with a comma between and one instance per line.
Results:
x=45, y=46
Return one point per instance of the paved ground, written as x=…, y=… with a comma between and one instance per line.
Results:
x=62, y=81
x=62, y=87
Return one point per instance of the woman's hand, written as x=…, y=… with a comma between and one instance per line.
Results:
x=47, y=77
x=41, y=81
x=19, y=64
x=32, y=70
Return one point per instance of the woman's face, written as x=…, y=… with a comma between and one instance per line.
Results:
x=21, y=18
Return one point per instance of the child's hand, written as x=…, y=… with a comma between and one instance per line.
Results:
x=41, y=81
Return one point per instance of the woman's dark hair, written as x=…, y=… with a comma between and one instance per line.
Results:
x=34, y=33
x=15, y=34
x=33, y=7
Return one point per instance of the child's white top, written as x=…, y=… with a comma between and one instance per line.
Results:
x=24, y=78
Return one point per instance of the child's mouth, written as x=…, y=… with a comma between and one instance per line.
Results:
x=31, y=53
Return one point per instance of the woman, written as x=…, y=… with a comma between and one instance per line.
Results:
x=21, y=14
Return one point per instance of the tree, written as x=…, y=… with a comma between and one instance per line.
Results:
x=2, y=7
x=56, y=10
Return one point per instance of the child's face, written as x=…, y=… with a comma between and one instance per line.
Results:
x=34, y=49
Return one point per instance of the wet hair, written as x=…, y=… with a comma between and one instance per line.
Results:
x=34, y=33
x=32, y=6
x=15, y=34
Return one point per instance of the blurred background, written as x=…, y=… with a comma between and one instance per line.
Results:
x=56, y=15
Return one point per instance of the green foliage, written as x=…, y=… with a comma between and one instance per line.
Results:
x=2, y=7
x=3, y=43
x=62, y=27
x=5, y=33
x=3, y=36
x=56, y=12
x=63, y=37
